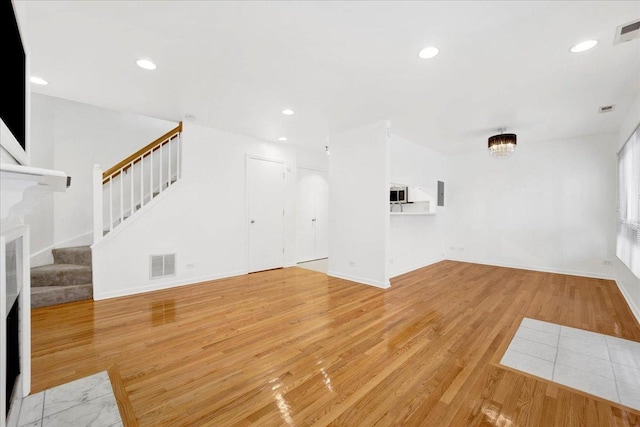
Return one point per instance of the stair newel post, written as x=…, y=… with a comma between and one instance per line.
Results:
x=98, y=223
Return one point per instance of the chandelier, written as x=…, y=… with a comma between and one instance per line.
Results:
x=503, y=144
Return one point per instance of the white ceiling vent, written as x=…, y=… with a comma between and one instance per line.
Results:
x=606, y=108
x=162, y=265
x=628, y=31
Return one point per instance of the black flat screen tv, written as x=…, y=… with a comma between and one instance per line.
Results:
x=12, y=95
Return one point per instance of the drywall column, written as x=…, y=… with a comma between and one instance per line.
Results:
x=359, y=205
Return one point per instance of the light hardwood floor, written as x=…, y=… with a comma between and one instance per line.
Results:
x=295, y=347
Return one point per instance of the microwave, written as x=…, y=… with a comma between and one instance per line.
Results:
x=399, y=195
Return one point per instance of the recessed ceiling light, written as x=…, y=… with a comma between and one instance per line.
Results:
x=287, y=112
x=282, y=138
x=38, y=81
x=428, y=52
x=146, y=64
x=585, y=45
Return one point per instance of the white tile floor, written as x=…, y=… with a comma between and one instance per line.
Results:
x=605, y=366
x=86, y=402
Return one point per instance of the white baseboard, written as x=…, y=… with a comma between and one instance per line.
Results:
x=418, y=266
x=44, y=256
x=290, y=264
x=360, y=280
x=533, y=268
x=632, y=306
x=98, y=296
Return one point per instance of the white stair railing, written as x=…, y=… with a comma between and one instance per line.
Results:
x=127, y=187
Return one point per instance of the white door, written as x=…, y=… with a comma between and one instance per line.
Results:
x=312, y=215
x=306, y=216
x=322, y=215
x=265, y=194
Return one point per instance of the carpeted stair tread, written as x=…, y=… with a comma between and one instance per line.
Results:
x=80, y=255
x=54, y=295
x=60, y=275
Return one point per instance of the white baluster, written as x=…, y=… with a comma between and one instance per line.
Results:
x=151, y=177
x=98, y=196
x=142, y=181
x=131, y=175
x=161, y=181
x=121, y=195
x=170, y=177
x=110, y=202
x=178, y=156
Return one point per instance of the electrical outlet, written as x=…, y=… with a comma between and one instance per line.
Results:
x=453, y=248
x=461, y=249
x=391, y=261
x=352, y=263
x=606, y=262
x=189, y=265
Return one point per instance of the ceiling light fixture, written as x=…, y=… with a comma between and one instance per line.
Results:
x=146, y=64
x=38, y=81
x=585, y=45
x=282, y=138
x=503, y=144
x=428, y=52
x=287, y=112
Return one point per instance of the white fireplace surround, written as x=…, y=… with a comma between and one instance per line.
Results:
x=20, y=190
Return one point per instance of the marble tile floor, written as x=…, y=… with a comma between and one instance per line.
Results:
x=87, y=402
x=320, y=265
x=597, y=364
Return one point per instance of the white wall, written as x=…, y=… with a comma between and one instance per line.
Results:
x=77, y=136
x=416, y=241
x=41, y=217
x=359, y=205
x=202, y=219
x=546, y=207
x=629, y=284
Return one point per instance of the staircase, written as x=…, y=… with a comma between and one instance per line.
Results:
x=131, y=184
x=67, y=279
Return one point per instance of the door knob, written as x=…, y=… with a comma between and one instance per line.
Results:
x=253, y=221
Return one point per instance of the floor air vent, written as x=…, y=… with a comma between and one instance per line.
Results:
x=628, y=31
x=162, y=265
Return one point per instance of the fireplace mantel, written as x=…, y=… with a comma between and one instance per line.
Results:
x=21, y=188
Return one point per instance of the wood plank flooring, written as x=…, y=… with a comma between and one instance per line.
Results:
x=295, y=347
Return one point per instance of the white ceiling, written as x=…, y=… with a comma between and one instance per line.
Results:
x=236, y=65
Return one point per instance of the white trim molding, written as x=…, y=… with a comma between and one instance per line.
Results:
x=419, y=266
x=360, y=280
x=9, y=142
x=634, y=309
x=97, y=295
x=534, y=268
